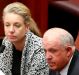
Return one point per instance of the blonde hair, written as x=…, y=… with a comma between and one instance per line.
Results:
x=24, y=11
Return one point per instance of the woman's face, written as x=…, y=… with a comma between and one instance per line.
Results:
x=14, y=27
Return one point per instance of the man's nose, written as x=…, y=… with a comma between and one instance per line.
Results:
x=48, y=55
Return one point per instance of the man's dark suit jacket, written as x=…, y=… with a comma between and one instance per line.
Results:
x=74, y=65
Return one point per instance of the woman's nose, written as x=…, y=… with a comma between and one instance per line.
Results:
x=11, y=29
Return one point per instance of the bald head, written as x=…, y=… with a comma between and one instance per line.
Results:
x=59, y=47
x=58, y=35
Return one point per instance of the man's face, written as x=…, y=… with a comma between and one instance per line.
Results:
x=56, y=54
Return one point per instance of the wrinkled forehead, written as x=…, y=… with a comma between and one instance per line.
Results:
x=51, y=44
x=50, y=39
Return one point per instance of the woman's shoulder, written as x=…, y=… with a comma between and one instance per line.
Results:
x=34, y=37
x=35, y=40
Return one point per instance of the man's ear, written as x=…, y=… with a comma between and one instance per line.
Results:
x=69, y=51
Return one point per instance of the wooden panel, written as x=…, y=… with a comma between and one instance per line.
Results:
x=76, y=2
x=3, y=3
x=77, y=42
x=66, y=15
x=39, y=10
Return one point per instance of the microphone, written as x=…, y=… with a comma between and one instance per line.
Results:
x=2, y=47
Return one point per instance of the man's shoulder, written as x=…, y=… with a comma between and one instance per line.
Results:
x=76, y=53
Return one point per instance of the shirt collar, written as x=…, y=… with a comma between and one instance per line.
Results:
x=65, y=70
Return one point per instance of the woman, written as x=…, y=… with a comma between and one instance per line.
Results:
x=23, y=53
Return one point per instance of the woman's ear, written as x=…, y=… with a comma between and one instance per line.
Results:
x=27, y=27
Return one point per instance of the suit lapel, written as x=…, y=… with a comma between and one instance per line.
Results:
x=72, y=66
x=73, y=61
x=52, y=72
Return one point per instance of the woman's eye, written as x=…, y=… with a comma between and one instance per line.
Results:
x=17, y=25
x=7, y=25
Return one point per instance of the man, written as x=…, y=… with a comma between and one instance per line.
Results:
x=60, y=52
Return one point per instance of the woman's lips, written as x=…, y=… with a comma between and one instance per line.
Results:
x=11, y=36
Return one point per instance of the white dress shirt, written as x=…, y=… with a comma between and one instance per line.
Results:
x=65, y=70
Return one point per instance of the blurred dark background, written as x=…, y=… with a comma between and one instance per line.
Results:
x=65, y=14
